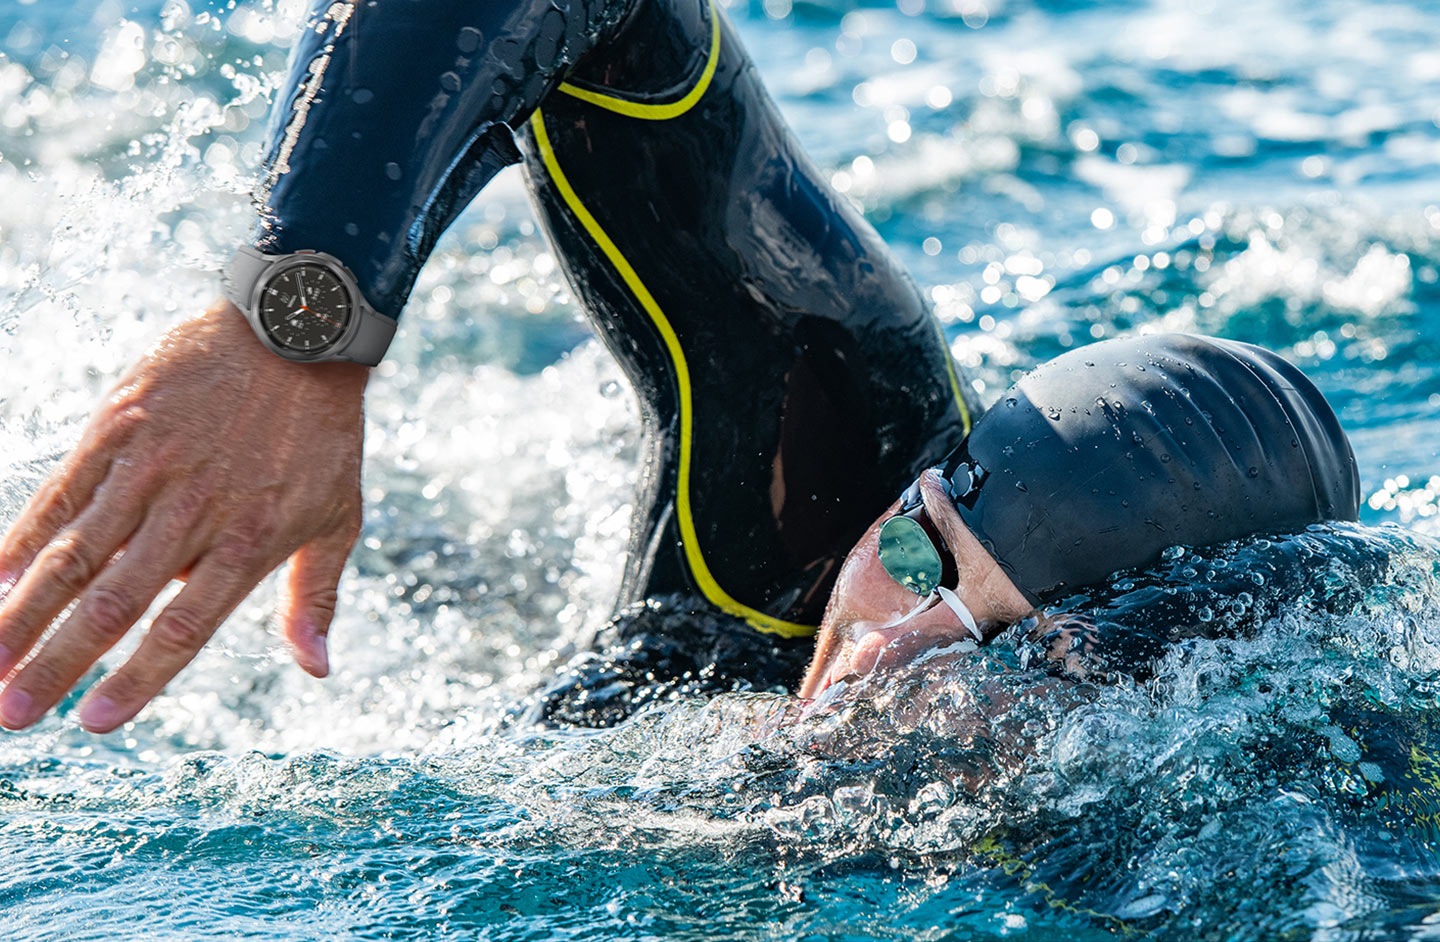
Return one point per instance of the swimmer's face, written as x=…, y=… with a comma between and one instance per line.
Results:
x=874, y=624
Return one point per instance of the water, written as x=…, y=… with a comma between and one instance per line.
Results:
x=1053, y=172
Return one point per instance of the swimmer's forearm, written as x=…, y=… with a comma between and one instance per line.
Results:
x=396, y=114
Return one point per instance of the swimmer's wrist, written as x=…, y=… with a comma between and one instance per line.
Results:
x=228, y=338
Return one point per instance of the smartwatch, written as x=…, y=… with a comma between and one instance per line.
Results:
x=306, y=306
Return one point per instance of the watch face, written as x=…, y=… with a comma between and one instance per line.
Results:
x=305, y=308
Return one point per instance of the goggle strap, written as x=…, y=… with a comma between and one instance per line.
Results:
x=958, y=607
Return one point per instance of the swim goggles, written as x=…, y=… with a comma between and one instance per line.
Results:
x=911, y=548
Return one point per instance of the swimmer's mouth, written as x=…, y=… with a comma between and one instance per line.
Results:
x=879, y=648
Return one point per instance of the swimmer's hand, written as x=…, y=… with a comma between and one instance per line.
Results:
x=212, y=462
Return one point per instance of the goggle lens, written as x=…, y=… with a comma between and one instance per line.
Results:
x=911, y=548
x=913, y=553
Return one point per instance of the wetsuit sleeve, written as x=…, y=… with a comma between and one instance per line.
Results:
x=396, y=113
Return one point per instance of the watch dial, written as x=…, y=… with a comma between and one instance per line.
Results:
x=305, y=308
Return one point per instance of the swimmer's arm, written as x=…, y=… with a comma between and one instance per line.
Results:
x=214, y=461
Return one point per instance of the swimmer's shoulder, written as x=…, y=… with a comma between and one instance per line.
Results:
x=659, y=52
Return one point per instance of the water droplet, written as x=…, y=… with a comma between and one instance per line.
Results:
x=362, y=96
x=392, y=170
x=1020, y=486
x=1253, y=471
x=468, y=40
x=351, y=229
x=450, y=82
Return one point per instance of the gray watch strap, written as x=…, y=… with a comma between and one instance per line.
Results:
x=371, y=339
x=366, y=343
x=243, y=272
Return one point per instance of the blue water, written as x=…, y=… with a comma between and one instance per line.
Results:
x=1053, y=172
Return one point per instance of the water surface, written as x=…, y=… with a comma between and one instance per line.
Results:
x=1053, y=173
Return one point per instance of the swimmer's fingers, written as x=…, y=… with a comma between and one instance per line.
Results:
x=68, y=491
x=107, y=609
x=218, y=583
x=58, y=573
x=311, y=594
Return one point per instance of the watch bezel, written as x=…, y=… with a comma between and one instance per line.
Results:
x=277, y=268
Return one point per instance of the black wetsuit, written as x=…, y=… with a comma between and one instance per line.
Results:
x=792, y=380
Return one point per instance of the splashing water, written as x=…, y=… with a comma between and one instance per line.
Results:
x=1054, y=173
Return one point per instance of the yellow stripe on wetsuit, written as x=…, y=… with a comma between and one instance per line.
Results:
x=664, y=112
x=689, y=539
x=954, y=377
x=657, y=112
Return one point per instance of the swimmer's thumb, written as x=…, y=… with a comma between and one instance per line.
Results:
x=310, y=596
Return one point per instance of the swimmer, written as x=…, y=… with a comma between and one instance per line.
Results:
x=1095, y=462
x=790, y=374
x=791, y=377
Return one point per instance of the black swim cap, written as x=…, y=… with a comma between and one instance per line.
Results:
x=1102, y=458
